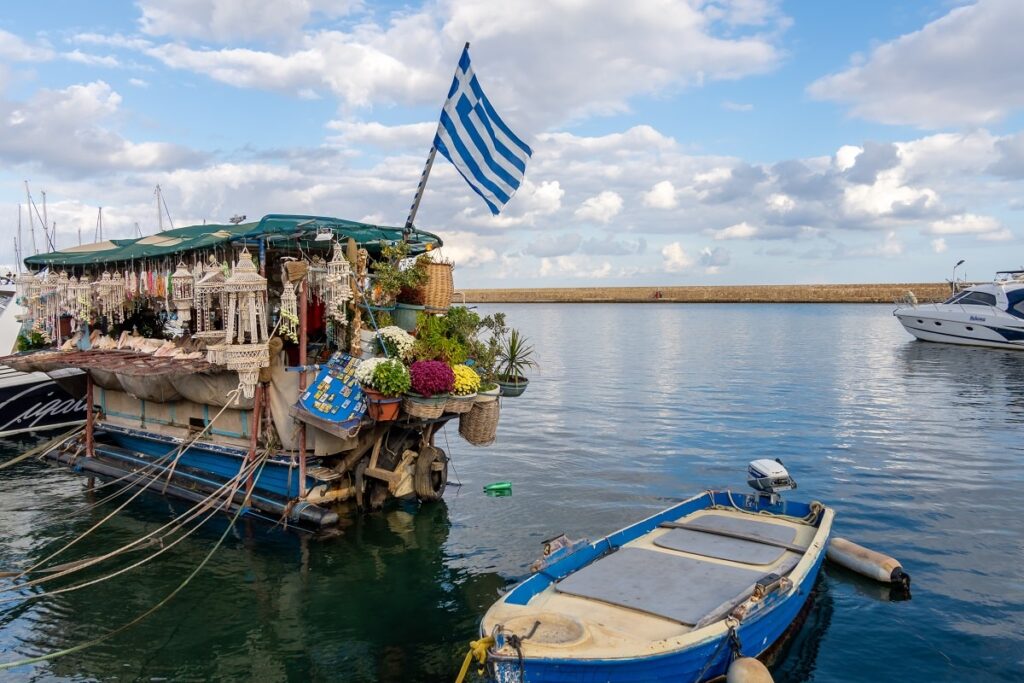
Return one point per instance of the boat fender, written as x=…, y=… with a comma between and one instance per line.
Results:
x=748, y=670
x=867, y=562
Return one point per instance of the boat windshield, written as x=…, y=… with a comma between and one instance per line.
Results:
x=1015, y=300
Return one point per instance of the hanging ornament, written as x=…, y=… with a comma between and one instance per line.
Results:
x=209, y=302
x=183, y=291
x=80, y=291
x=117, y=297
x=288, y=327
x=246, y=349
x=316, y=277
x=49, y=301
x=339, y=288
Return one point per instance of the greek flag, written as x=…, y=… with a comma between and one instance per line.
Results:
x=475, y=139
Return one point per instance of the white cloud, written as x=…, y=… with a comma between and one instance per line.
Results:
x=661, y=196
x=638, y=49
x=601, y=208
x=80, y=57
x=13, y=48
x=575, y=267
x=739, y=231
x=736, y=106
x=138, y=82
x=961, y=69
x=466, y=250
x=713, y=260
x=114, y=40
x=232, y=21
x=66, y=132
x=965, y=224
x=939, y=245
x=675, y=258
x=406, y=136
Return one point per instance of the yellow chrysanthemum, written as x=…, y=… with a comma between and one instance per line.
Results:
x=466, y=380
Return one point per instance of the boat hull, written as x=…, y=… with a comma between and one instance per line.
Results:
x=964, y=328
x=757, y=636
x=34, y=402
x=700, y=654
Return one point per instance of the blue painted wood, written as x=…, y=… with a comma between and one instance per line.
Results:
x=221, y=463
x=757, y=633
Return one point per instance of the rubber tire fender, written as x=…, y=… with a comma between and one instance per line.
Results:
x=429, y=483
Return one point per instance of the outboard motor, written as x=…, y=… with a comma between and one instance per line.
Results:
x=769, y=477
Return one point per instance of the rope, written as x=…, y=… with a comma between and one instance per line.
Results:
x=811, y=518
x=42, y=449
x=731, y=639
x=96, y=641
x=182, y=449
x=180, y=522
x=478, y=650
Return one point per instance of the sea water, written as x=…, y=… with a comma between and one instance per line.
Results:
x=917, y=446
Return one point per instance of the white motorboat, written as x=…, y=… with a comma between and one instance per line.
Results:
x=30, y=401
x=988, y=314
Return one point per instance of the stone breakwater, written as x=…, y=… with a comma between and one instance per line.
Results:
x=767, y=294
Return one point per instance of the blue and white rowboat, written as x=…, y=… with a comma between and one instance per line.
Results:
x=657, y=601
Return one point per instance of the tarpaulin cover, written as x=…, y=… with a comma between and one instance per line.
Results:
x=272, y=228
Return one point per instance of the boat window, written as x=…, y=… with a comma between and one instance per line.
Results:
x=956, y=297
x=1015, y=301
x=977, y=299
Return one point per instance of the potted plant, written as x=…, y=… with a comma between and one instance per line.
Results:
x=390, y=277
x=515, y=355
x=396, y=342
x=430, y=383
x=384, y=380
x=485, y=356
x=463, y=394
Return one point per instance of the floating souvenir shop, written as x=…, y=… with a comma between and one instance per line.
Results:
x=293, y=365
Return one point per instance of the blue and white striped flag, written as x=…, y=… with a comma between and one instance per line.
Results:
x=475, y=139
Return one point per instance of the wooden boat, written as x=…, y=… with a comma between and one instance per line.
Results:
x=674, y=597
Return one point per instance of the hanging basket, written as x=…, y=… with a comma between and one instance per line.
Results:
x=480, y=425
x=424, y=407
x=438, y=290
x=459, y=404
x=296, y=270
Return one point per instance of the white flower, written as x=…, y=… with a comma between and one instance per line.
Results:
x=398, y=339
x=364, y=372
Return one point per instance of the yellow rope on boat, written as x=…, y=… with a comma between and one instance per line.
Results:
x=478, y=650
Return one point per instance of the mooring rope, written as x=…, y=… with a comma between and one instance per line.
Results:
x=182, y=449
x=42, y=448
x=96, y=641
x=173, y=524
x=811, y=518
x=179, y=523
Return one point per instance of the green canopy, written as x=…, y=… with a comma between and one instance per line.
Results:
x=272, y=228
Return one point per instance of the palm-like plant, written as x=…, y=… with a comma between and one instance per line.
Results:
x=515, y=355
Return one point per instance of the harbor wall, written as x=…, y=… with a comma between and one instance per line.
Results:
x=826, y=294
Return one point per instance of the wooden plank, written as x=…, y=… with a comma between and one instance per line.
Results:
x=732, y=534
x=384, y=475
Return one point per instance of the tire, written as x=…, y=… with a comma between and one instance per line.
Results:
x=429, y=481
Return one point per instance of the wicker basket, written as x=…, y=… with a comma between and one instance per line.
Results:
x=296, y=270
x=459, y=404
x=438, y=290
x=480, y=425
x=423, y=407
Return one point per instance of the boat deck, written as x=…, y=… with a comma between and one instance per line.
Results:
x=653, y=592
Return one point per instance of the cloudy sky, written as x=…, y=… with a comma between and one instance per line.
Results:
x=687, y=142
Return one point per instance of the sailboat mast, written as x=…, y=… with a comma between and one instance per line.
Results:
x=159, y=210
x=31, y=223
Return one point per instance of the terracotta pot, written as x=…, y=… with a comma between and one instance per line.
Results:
x=380, y=407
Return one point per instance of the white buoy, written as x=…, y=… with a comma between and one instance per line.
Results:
x=866, y=562
x=748, y=670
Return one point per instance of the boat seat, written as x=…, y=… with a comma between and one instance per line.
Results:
x=706, y=543
x=676, y=587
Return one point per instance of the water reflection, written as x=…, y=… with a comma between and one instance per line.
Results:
x=917, y=446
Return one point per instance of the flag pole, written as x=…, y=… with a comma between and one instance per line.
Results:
x=414, y=209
